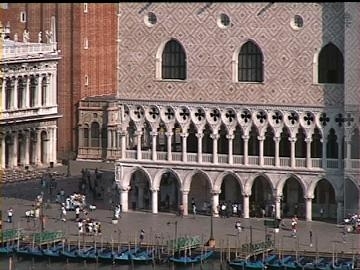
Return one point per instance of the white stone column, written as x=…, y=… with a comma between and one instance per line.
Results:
x=199, y=136
x=26, y=96
x=14, y=151
x=246, y=149
x=124, y=199
x=3, y=87
x=14, y=92
x=324, y=153
x=39, y=91
x=2, y=161
x=215, y=204
x=109, y=139
x=38, y=147
x=154, y=200
x=277, y=151
x=123, y=144
x=292, y=153
x=185, y=195
x=215, y=137
x=308, y=152
x=348, y=153
x=27, y=148
x=169, y=153
x=278, y=207
x=261, y=150
x=53, y=89
x=230, y=138
x=246, y=205
x=308, y=207
x=184, y=146
x=153, y=146
x=138, y=146
x=54, y=154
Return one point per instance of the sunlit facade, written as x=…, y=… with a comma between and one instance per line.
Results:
x=253, y=103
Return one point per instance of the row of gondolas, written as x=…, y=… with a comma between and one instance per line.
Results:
x=275, y=262
x=119, y=255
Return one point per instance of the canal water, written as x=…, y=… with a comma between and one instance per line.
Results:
x=29, y=264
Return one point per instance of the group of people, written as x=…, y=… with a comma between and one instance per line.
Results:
x=89, y=226
x=228, y=209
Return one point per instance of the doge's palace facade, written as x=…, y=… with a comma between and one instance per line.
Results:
x=247, y=103
x=29, y=111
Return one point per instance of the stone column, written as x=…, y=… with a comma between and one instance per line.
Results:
x=308, y=152
x=215, y=138
x=38, y=147
x=185, y=195
x=124, y=199
x=53, y=94
x=215, y=203
x=292, y=154
x=323, y=153
x=278, y=207
x=340, y=151
x=2, y=161
x=154, y=200
x=3, y=87
x=184, y=146
x=199, y=136
x=308, y=206
x=27, y=93
x=246, y=205
x=153, y=146
x=277, y=151
x=169, y=154
x=123, y=144
x=27, y=148
x=14, y=151
x=348, y=153
x=109, y=139
x=14, y=92
x=39, y=91
x=55, y=144
x=246, y=149
x=261, y=150
x=230, y=138
x=138, y=134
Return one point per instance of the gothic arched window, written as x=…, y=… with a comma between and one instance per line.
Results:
x=331, y=65
x=250, y=63
x=173, y=61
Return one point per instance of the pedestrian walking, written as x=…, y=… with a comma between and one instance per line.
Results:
x=10, y=214
x=63, y=213
x=142, y=236
x=293, y=226
x=77, y=213
x=238, y=227
x=321, y=212
x=193, y=206
x=311, y=240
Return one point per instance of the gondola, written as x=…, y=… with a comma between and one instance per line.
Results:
x=250, y=264
x=190, y=259
x=29, y=251
x=7, y=250
x=54, y=251
x=142, y=256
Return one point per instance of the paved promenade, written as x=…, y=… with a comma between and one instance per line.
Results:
x=327, y=237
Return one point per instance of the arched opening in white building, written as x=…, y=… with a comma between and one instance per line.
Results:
x=261, y=197
x=200, y=191
x=351, y=197
x=293, y=202
x=324, y=198
x=169, y=193
x=139, y=193
x=230, y=190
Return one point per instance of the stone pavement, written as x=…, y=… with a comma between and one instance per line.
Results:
x=327, y=237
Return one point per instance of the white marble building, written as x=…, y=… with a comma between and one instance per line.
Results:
x=29, y=110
